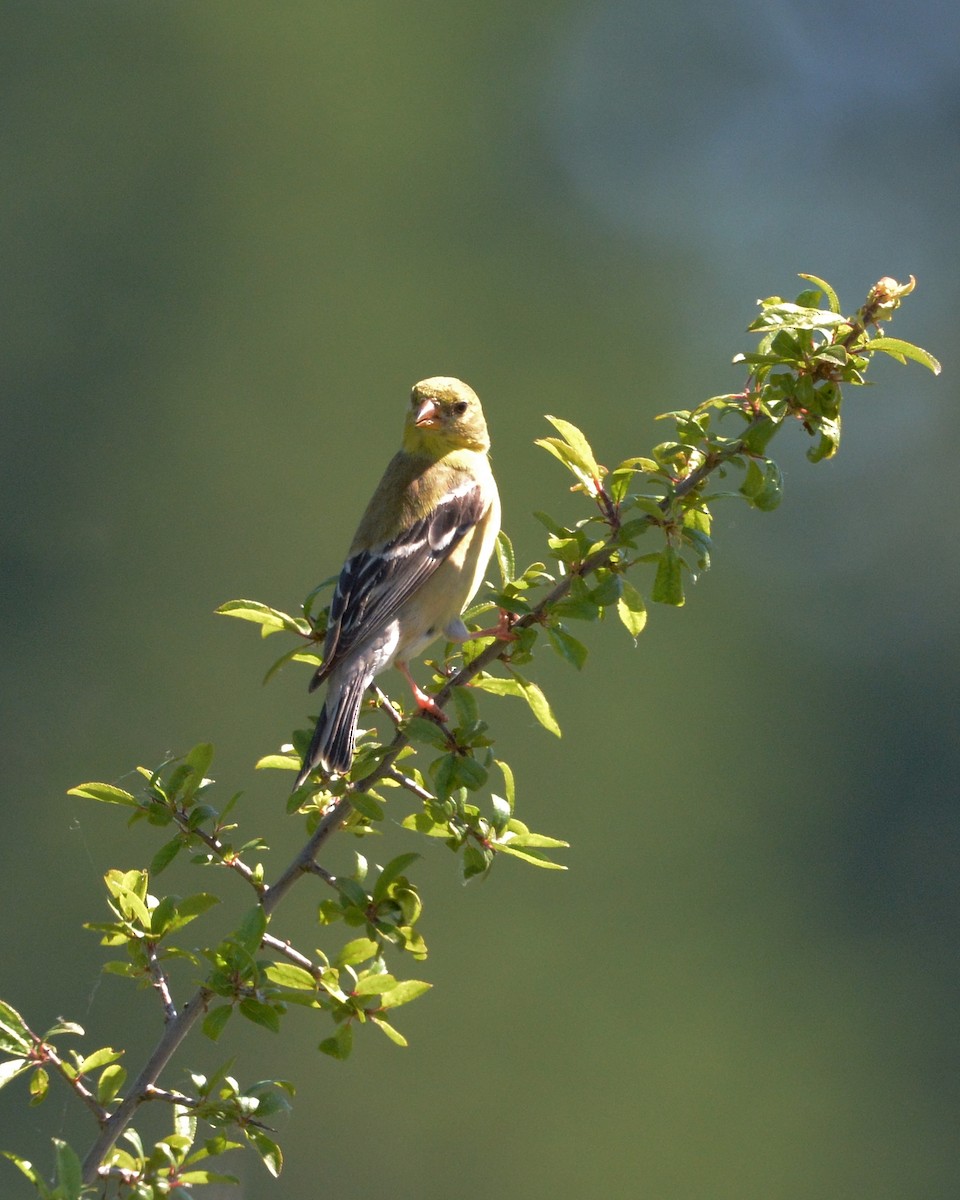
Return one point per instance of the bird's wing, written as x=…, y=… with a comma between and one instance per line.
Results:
x=375, y=583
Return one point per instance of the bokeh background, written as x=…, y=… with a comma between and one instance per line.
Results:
x=233, y=236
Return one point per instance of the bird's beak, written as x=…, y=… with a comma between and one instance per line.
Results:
x=428, y=415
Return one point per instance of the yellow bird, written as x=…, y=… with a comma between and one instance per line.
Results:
x=415, y=562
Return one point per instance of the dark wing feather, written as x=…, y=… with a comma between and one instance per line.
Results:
x=375, y=583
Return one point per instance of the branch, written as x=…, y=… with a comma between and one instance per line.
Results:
x=665, y=511
x=114, y=1125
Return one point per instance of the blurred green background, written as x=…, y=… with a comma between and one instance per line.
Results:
x=233, y=236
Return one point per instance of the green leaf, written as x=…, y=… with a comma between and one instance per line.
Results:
x=106, y=793
x=530, y=856
x=824, y=287
x=783, y=315
x=39, y=1085
x=506, y=560
x=198, y=760
x=31, y=1173
x=111, y=1080
x=758, y=433
x=393, y=1034
x=188, y=1178
x=668, y=583
x=574, y=452
x=268, y=1149
x=367, y=806
x=537, y=840
x=828, y=443
x=215, y=1020
x=468, y=709
x=99, y=1058
x=475, y=861
x=61, y=1027
x=422, y=731
x=340, y=1045
x=271, y=620
x=14, y=1034
x=631, y=609
x=69, y=1175
x=552, y=526
x=374, y=983
x=578, y=443
x=403, y=993
x=11, y=1069
x=165, y=855
x=125, y=969
x=568, y=647
x=501, y=810
x=497, y=686
x=133, y=908
x=190, y=907
x=901, y=350
x=289, y=975
x=539, y=705
x=422, y=822
x=250, y=931
x=394, y=868
x=260, y=1013
x=357, y=951
x=753, y=479
x=508, y=782
x=294, y=655
x=277, y=762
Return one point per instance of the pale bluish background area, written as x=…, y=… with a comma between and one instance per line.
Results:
x=233, y=236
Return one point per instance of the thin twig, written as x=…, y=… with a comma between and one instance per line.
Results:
x=315, y=869
x=160, y=982
x=154, y=1093
x=294, y=955
x=410, y=784
x=386, y=704
x=45, y=1053
x=222, y=852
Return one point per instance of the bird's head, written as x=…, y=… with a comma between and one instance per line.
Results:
x=444, y=415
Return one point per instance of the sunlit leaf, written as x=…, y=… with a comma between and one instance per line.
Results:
x=901, y=350
x=106, y=793
x=631, y=609
x=827, y=290
x=393, y=1034
x=404, y=992
x=267, y=1148
x=271, y=620
x=291, y=976
x=11, y=1069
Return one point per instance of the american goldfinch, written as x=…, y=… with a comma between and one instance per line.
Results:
x=415, y=561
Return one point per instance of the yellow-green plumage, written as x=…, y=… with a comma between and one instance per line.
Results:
x=417, y=558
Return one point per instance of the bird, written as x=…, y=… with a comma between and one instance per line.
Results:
x=415, y=562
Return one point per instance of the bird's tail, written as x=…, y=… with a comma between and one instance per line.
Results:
x=333, y=739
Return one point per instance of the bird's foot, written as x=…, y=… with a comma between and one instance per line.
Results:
x=424, y=702
x=502, y=631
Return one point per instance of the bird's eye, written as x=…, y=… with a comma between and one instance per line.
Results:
x=460, y=407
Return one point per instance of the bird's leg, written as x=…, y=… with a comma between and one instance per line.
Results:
x=502, y=631
x=424, y=702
